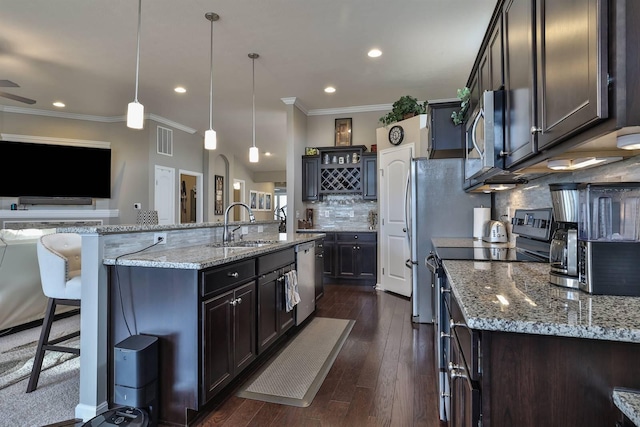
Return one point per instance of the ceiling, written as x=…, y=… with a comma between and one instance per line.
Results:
x=83, y=53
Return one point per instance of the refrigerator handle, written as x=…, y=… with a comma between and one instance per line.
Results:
x=406, y=228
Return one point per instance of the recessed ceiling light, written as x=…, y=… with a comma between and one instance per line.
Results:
x=329, y=89
x=267, y=153
x=180, y=89
x=59, y=104
x=374, y=53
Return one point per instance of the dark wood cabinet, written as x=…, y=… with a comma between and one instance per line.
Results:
x=319, y=269
x=444, y=138
x=328, y=255
x=562, y=380
x=310, y=178
x=229, y=337
x=555, y=73
x=356, y=255
x=273, y=319
x=519, y=74
x=370, y=176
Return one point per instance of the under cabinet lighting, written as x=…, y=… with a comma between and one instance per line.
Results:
x=501, y=187
x=573, y=164
x=629, y=142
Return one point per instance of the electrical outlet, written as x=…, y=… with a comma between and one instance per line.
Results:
x=160, y=238
x=245, y=230
x=260, y=229
x=137, y=205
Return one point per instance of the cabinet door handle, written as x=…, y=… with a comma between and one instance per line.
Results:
x=320, y=256
x=444, y=335
x=443, y=290
x=233, y=302
x=535, y=130
x=234, y=274
x=355, y=237
x=453, y=324
x=239, y=300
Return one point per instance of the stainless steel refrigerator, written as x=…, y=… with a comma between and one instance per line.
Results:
x=437, y=207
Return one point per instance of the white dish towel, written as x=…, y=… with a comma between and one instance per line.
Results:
x=291, y=289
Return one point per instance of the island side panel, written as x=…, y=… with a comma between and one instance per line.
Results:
x=534, y=380
x=164, y=303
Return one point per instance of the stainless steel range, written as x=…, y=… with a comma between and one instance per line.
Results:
x=534, y=228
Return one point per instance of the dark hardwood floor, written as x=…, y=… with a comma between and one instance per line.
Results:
x=383, y=376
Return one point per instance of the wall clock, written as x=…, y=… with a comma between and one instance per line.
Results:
x=396, y=135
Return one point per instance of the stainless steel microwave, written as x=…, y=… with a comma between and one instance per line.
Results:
x=485, y=137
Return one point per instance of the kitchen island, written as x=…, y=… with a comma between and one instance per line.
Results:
x=186, y=252
x=528, y=353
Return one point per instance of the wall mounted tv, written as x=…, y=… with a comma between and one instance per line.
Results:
x=32, y=170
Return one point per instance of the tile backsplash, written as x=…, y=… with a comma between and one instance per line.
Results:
x=535, y=194
x=342, y=211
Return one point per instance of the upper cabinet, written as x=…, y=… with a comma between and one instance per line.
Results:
x=339, y=170
x=555, y=72
x=444, y=138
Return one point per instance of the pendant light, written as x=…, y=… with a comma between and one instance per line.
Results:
x=254, y=155
x=135, y=110
x=210, y=139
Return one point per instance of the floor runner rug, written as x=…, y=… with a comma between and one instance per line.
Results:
x=295, y=374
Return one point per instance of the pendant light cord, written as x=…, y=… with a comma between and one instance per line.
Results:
x=211, y=77
x=138, y=49
x=253, y=90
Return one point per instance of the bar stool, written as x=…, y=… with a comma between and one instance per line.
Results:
x=59, y=259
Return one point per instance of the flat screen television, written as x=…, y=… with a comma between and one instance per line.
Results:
x=54, y=171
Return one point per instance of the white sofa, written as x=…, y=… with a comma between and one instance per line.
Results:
x=21, y=297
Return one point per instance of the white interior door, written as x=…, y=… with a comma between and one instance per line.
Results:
x=165, y=194
x=395, y=250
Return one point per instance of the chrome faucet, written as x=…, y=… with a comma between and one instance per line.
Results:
x=225, y=235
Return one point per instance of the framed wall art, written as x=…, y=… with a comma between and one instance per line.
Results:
x=253, y=199
x=343, y=132
x=219, y=195
x=261, y=200
x=267, y=202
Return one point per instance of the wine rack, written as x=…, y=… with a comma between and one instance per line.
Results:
x=340, y=178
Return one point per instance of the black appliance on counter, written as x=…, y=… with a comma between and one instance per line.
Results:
x=534, y=228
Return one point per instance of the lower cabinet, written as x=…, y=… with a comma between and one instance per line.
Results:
x=229, y=336
x=228, y=324
x=273, y=318
x=356, y=255
x=530, y=380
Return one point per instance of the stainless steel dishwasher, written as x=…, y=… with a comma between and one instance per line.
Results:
x=305, y=266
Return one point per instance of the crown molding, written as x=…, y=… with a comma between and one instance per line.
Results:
x=91, y=118
x=350, y=110
x=54, y=141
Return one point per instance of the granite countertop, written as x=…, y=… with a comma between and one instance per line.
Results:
x=336, y=230
x=203, y=256
x=465, y=242
x=517, y=297
x=131, y=228
x=628, y=401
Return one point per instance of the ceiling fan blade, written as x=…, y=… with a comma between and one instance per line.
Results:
x=17, y=98
x=8, y=83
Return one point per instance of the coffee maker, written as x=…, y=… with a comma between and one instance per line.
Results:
x=563, y=254
x=609, y=238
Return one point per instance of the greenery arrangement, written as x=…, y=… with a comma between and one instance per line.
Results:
x=458, y=116
x=405, y=107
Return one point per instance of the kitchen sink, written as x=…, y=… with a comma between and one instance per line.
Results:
x=243, y=244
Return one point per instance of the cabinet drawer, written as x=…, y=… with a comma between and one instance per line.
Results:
x=222, y=278
x=468, y=339
x=329, y=237
x=360, y=237
x=276, y=260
